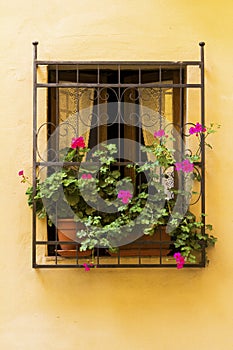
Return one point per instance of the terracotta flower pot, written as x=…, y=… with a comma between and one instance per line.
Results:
x=67, y=232
x=146, y=245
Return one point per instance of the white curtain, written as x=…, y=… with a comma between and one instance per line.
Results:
x=151, y=120
x=156, y=112
x=75, y=114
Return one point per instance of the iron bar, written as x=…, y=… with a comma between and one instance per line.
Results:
x=122, y=85
x=122, y=63
x=35, y=44
x=202, y=44
x=110, y=266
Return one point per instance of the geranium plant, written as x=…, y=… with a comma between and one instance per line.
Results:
x=111, y=206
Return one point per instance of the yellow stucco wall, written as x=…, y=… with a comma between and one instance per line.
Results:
x=113, y=309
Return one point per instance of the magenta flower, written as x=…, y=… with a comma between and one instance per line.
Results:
x=178, y=166
x=192, y=130
x=125, y=200
x=177, y=255
x=197, y=129
x=186, y=166
x=180, y=260
x=180, y=266
x=87, y=266
x=159, y=133
x=23, y=178
x=78, y=142
x=125, y=196
x=86, y=176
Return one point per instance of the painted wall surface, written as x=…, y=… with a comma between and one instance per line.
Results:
x=113, y=309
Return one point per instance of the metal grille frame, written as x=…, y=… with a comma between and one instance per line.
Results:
x=39, y=261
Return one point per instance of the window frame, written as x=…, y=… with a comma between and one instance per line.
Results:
x=179, y=86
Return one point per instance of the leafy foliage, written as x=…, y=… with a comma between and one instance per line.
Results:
x=91, y=195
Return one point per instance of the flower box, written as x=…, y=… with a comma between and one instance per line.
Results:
x=157, y=244
x=67, y=232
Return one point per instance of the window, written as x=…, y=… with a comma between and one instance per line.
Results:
x=105, y=102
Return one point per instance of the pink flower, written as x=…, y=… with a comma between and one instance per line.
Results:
x=177, y=255
x=159, y=133
x=124, y=193
x=121, y=194
x=192, y=130
x=23, y=178
x=78, y=142
x=125, y=200
x=180, y=260
x=86, y=176
x=180, y=266
x=87, y=266
x=178, y=166
x=125, y=196
x=186, y=166
x=197, y=129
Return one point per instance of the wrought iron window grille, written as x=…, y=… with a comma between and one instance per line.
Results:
x=58, y=91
